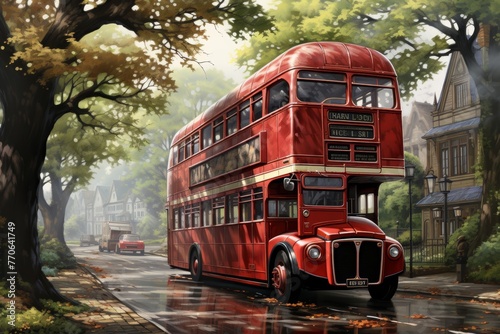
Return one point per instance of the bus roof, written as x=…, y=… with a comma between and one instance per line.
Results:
x=331, y=55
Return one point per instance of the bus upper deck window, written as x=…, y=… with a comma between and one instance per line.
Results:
x=257, y=106
x=244, y=114
x=373, y=92
x=206, y=134
x=218, y=129
x=320, y=87
x=279, y=95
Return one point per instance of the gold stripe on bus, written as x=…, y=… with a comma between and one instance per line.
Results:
x=285, y=171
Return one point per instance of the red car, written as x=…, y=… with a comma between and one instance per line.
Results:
x=130, y=243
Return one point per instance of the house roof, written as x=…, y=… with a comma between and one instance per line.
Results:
x=468, y=124
x=122, y=189
x=455, y=196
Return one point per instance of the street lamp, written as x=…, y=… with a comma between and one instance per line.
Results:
x=410, y=171
x=444, y=187
x=430, y=178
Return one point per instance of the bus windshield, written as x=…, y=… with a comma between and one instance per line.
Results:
x=321, y=86
x=325, y=197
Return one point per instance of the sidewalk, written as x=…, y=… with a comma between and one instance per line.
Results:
x=107, y=314
x=446, y=284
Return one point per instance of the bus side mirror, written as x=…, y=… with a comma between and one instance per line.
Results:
x=288, y=184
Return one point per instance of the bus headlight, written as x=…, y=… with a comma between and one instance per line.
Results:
x=314, y=252
x=394, y=251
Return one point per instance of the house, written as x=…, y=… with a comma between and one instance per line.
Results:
x=415, y=125
x=116, y=203
x=101, y=198
x=452, y=150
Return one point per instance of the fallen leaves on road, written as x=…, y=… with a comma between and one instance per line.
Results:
x=366, y=323
x=418, y=316
x=435, y=291
x=323, y=315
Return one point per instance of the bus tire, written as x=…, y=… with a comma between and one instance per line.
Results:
x=386, y=290
x=195, y=265
x=286, y=286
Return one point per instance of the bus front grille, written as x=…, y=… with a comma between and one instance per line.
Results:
x=357, y=259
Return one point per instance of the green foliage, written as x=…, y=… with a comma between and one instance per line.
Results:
x=404, y=238
x=197, y=90
x=484, y=264
x=394, y=198
x=56, y=255
x=149, y=227
x=391, y=27
x=58, y=308
x=469, y=230
x=33, y=321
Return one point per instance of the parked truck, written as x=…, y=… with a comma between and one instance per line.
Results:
x=111, y=232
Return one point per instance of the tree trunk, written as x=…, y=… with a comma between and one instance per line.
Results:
x=25, y=128
x=53, y=214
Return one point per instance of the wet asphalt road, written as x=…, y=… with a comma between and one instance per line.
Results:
x=176, y=304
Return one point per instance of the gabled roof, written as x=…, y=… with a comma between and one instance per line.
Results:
x=420, y=119
x=88, y=196
x=121, y=188
x=103, y=191
x=468, y=124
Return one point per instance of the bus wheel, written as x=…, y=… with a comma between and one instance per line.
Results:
x=286, y=286
x=386, y=290
x=195, y=265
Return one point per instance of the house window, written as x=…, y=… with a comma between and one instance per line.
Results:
x=445, y=158
x=454, y=157
x=461, y=95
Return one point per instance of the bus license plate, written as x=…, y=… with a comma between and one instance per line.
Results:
x=353, y=283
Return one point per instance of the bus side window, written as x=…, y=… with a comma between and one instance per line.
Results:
x=258, y=204
x=257, y=106
x=279, y=95
x=206, y=207
x=206, y=135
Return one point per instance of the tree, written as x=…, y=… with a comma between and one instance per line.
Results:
x=196, y=91
x=394, y=198
x=415, y=35
x=71, y=154
x=51, y=65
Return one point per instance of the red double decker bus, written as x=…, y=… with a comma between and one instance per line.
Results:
x=276, y=184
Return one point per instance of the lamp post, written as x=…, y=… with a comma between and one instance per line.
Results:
x=444, y=187
x=410, y=171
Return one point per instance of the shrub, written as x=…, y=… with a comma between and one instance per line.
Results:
x=484, y=265
x=39, y=322
x=469, y=230
x=404, y=238
x=56, y=255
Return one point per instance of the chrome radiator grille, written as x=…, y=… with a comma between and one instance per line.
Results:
x=357, y=259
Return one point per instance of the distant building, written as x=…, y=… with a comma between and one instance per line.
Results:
x=116, y=203
x=415, y=126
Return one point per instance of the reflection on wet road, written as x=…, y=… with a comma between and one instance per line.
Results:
x=176, y=304
x=216, y=307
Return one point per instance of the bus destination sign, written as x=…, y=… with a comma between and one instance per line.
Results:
x=349, y=116
x=349, y=131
